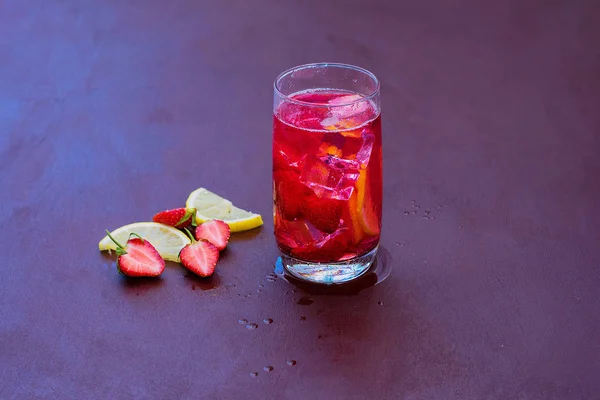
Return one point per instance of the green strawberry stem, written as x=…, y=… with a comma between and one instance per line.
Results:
x=119, y=245
x=188, y=213
x=193, y=212
x=189, y=235
x=120, y=249
x=138, y=236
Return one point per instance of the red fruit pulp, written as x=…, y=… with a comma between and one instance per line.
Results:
x=327, y=175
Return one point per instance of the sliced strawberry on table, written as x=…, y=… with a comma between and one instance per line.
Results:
x=215, y=231
x=138, y=258
x=323, y=213
x=177, y=217
x=199, y=257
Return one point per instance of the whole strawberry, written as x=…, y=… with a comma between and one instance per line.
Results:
x=178, y=217
x=199, y=257
x=138, y=258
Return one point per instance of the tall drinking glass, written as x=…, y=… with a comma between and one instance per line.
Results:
x=327, y=171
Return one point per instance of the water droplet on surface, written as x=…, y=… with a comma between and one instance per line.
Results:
x=258, y=290
x=252, y=326
x=414, y=212
x=242, y=321
x=427, y=212
x=406, y=213
x=320, y=337
x=254, y=374
x=380, y=302
x=303, y=318
x=268, y=368
x=268, y=321
x=417, y=207
x=305, y=301
x=291, y=363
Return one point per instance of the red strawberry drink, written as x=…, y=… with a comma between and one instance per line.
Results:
x=327, y=171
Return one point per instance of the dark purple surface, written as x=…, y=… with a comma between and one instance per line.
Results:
x=113, y=110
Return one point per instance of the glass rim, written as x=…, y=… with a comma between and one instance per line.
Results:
x=288, y=71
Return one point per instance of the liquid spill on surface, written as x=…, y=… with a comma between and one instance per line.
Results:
x=305, y=301
x=377, y=273
x=210, y=283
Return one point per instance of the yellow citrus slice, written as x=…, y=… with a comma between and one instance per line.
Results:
x=167, y=240
x=361, y=209
x=209, y=206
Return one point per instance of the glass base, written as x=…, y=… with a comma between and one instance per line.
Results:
x=328, y=273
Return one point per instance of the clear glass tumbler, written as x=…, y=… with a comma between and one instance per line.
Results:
x=327, y=170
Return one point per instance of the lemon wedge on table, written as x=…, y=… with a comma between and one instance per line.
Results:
x=209, y=206
x=167, y=240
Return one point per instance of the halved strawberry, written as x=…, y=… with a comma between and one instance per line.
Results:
x=289, y=194
x=177, y=217
x=199, y=257
x=138, y=258
x=324, y=214
x=215, y=231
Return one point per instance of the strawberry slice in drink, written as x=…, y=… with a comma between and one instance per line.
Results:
x=289, y=194
x=296, y=234
x=324, y=214
x=331, y=248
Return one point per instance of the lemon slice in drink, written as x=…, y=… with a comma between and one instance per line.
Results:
x=209, y=206
x=361, y=209
x=167, y=240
